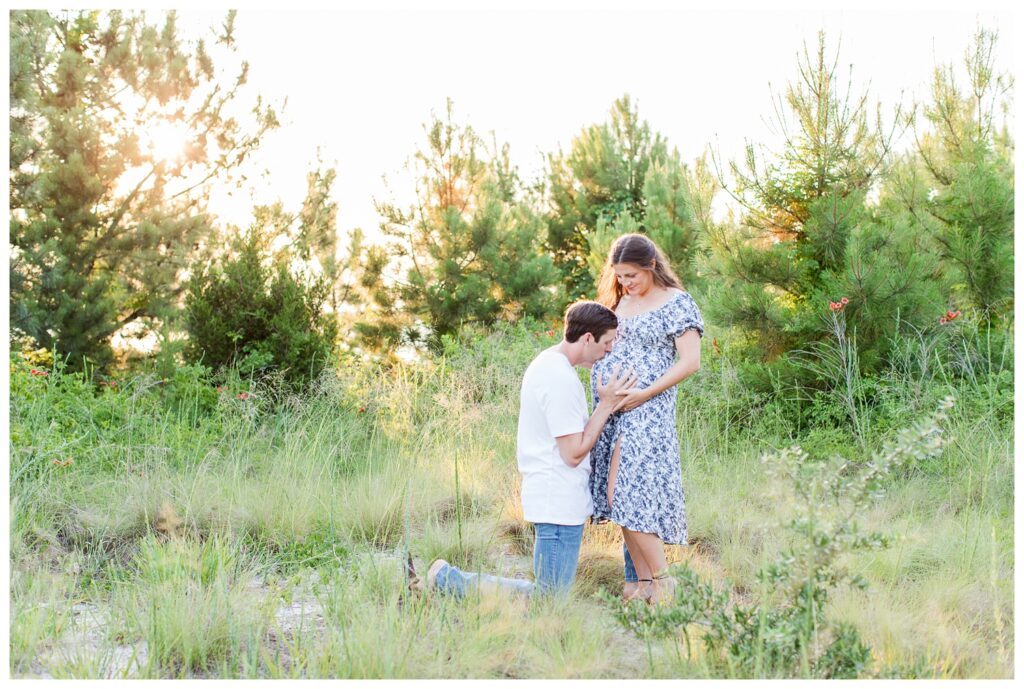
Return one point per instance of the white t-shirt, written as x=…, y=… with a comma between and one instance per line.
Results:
x=552, y=404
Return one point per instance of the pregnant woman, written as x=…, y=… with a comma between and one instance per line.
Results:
x=637, y=480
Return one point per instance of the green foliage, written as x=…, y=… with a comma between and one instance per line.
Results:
x=373, y=320
x=103, y=222
x=469, y=247
x=959, y=187
x=250, y=311
x=601, y=178
x=37, y=617
x=677, y=204
x=95, y=422
x=196, y=563
x=393, y=455
x=787, y=634
x=192, y=606
x=671, y=195
x=345, y=476
x=487, y=364
x=809, y=236
x=319, y=548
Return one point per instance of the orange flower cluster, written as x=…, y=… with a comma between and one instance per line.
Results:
x=242, y=395
x=37, y=372
x=838, y=305
x=63, y=463
x=950, y=317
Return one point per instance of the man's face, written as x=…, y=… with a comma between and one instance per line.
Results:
x=596, y=350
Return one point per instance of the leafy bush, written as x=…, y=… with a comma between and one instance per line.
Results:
x=787, y=633
x=252, y=312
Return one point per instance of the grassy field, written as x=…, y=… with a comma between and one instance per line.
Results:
x=165, y=528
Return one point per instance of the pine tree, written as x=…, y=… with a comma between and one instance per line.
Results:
x=468, y=247
x=103, y=224
x=676, y=208
x=807, y=235
x=601, y=178
x=371, y=318
x=261, y=305
x=959, y=186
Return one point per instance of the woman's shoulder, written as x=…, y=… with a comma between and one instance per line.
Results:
x=678, y=293
x=679, y=297
x=672, y=294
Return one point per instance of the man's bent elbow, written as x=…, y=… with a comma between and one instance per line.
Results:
x=572, y=461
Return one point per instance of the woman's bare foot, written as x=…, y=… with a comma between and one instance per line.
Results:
x=664, y=589
x=639, y=590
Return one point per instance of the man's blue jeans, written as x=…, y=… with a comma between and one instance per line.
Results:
x=628, y=569
x=556, y=552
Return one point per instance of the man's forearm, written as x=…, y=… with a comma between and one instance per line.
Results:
x=592, y=431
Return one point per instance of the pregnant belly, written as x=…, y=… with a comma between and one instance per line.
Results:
x=647, y=368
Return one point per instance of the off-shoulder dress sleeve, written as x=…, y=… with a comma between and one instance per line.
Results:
x=685, y=316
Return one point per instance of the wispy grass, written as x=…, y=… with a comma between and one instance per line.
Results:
x=347, y=479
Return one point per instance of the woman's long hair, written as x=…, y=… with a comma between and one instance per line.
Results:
x=638, y=250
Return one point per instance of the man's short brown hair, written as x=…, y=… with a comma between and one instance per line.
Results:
x=588, y=317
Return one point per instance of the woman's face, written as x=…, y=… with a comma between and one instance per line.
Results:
x=635, y=280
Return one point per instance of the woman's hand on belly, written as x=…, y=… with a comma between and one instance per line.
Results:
x=633, y=399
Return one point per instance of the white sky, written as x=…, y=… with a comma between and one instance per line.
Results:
x=361, y=83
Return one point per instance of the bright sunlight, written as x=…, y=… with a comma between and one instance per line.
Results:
x=166, y=141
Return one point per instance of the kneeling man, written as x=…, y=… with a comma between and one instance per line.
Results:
x=553, y=446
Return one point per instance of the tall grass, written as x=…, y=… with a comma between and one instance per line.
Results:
x=253, y=507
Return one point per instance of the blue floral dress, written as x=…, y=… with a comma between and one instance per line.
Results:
x=648, y=487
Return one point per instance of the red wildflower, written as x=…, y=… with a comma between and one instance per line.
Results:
x=838, y=305
x=549, y=333
x=950, y=316
x=243, y=395
x=362, y=410
x=37, y=372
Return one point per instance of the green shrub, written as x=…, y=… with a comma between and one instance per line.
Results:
x=787, y=633
x=251, y=312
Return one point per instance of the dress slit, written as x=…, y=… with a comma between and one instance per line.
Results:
x=615, y=464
